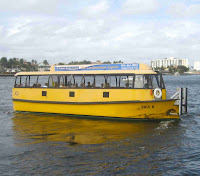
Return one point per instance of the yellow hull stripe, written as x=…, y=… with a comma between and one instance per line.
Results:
x=147, y=110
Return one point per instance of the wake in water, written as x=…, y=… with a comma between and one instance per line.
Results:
x=164, y=125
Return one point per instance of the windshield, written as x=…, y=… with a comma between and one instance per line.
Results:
x=148, y=81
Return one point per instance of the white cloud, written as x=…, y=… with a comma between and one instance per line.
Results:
x=98, y=39
x=21, y=6
x=135, y=7
x=63, y=39
x=95, y=10
x=183, y=10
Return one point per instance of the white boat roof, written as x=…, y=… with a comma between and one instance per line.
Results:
x=91, y=69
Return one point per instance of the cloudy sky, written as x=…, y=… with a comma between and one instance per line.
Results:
x=128, y=30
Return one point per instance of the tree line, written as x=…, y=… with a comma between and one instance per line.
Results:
x=172, y=69
x=87, y=62
x=20, y=64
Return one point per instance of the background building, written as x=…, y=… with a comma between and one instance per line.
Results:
x=1, y=68
x=197, y=65
x=171, y=61
x=44, y=67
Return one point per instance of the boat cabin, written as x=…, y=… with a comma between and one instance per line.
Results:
x=130, y=76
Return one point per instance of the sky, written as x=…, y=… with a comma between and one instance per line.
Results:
x=106, y=30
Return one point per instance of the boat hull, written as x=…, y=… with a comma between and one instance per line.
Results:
x=163, y=109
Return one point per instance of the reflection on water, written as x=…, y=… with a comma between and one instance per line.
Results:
x=75, y=146
x=36, y=128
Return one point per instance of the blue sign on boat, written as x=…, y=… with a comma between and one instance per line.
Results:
x=98, y=67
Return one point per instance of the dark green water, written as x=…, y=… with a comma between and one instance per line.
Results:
x=35, y=144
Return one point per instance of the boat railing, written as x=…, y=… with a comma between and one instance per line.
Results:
x=181, y=96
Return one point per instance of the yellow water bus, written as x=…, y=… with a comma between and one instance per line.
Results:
x=107, y=90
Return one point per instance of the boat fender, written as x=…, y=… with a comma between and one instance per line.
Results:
x=158, y=93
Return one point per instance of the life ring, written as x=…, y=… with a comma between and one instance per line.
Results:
x=158, y=93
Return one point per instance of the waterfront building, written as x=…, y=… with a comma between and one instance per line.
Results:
x=1, y=68
x=98, y=62
x=44, y=67
x=171, y=61
x=197, y=65
x=11, y=70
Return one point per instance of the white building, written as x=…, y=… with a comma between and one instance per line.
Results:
x=197, y=65
x=171, y=61
x=43, y=67
x=1, y=68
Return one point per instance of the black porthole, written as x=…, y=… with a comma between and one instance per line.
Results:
x=71, y=94
x=106, y=94
x=44, y=93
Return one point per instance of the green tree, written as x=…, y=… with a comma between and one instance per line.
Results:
x=85, y=62
x=10, y=63
x=182, y=69
x=14, y=60
x=115, y=62
x=45, y=62
x=162, y=68
x=172, y=69
x=4, y=61
x=61, y=63
x=79, y=62
x=107, y=62
x=29, y=67
x=21, y=61
x=32, y=61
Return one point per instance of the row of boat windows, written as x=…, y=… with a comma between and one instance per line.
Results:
x=94, y=81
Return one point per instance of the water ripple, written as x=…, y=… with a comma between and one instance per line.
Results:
x=36, y=144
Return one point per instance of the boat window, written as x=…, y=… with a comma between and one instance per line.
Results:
x=23, y=81
x=18, y=81
x=53, y=81
x=140, y=81
x=112, y=82
x=89, y=81
x=42, y=81
x=33, y=81
x=146, y=81
x=99, y=81
x=124, y=81
x=71, y=81
x=76, y=81
x=61, y=81
x=130, y=83
x=154, y=83
x=28, y=81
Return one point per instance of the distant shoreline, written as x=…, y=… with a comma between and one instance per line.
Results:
x=2, y=75
x=181, y=74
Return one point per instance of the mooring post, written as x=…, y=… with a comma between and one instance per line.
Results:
x=180, y=100
x=185, y=99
